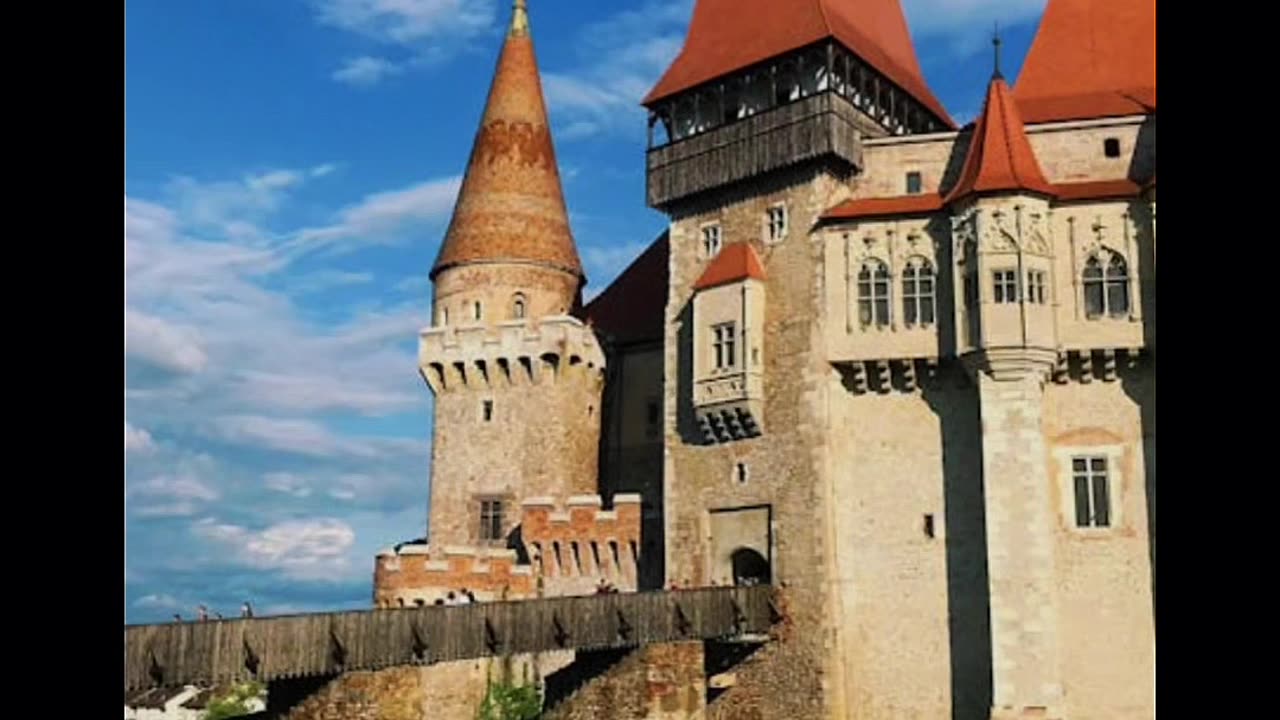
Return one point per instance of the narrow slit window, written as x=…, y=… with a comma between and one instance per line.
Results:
x=711, y=241
x=487, y=409
x=1035, y=287
x=490, y=520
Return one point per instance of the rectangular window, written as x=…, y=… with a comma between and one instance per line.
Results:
x=1092, y=491
x=488, y=410
x=1006, y=286
x=914, y=184
x=490, y=520
x=711, y=240
x=1035, y=286
x=777, y=223
x=723, y=339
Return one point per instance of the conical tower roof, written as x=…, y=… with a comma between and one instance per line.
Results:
x=1000, y=156
x=729, y=35
x=511, y=206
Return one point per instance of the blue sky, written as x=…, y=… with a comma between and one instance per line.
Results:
x=290, y=169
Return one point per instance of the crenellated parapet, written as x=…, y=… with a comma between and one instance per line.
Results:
x=569, y=547
x=415, y=575
x=576, y=546
x=508, y=354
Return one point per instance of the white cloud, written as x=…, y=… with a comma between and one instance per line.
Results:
x=407, y=22
x=622, y=58
x=287, y=483
x=169, y=496
x=365, y=71
x=157, y=601
x=314, y=549
x=307, y=437
x=322, y=170
x=137, y=440
x=380, y=216
x=179, y=488
x=162, y=343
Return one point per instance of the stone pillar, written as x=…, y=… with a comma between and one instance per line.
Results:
x=1020, y=554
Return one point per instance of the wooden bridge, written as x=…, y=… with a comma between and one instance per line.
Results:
x=293, y=646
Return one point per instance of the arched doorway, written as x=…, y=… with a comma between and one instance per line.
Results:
x=750, y=568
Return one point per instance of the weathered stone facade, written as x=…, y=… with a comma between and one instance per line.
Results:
x=934, y=429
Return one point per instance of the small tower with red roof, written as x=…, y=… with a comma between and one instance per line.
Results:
x=1000, y=210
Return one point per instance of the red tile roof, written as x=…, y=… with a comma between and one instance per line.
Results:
x=1090, y=59
x=729, y=35
x=872, y=207
x=633, y=307
x=1000, y=156
x=511, y=205
x=1097, y=190
x=736, y=261
x=925, y=204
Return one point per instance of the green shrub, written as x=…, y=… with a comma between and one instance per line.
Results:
x=235, y=703
x=510, y=702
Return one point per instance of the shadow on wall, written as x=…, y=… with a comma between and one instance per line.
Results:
x=1140, y=386
x=686, y=421
x=1142, y=164
x=954, y=398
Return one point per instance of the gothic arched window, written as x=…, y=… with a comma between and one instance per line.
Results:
x=918, y=296
x=873, y=294
x=1106, y=292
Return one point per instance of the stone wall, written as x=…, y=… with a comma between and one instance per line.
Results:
x=574, y=549
x=448, y=691
x=657, y=682
x=567, y=550
x=911, y=578
x=1105, y=591
x=631, y=445
x=517, y=415
x=785, y=465
x=414, y=575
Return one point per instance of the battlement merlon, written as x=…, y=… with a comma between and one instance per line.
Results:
x=516, y=352
x=580, y=544
x=414, y=572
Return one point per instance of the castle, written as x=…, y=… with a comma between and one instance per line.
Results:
x=901, y=370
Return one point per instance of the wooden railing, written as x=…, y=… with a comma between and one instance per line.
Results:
x=292, y=646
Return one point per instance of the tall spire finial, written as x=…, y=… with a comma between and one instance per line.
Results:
x=520, y=18
x=995, y=41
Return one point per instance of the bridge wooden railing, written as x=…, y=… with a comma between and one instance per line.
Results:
x=272, y=648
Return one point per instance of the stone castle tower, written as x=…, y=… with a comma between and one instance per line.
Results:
x=517, y=379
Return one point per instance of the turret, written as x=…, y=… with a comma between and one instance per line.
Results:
x=1004, y=258
x=509, y=253
x=517, y=378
